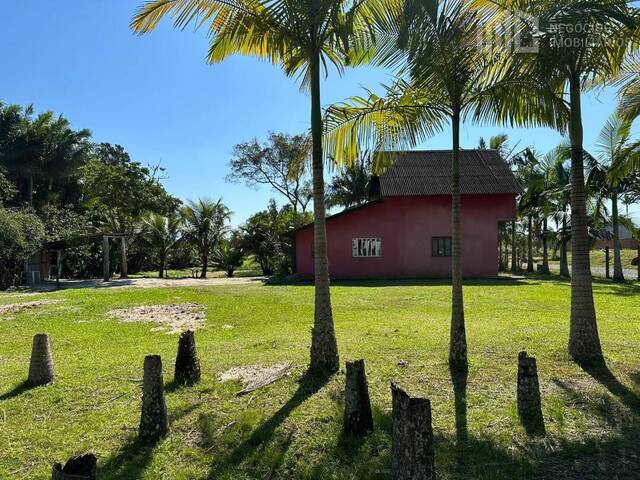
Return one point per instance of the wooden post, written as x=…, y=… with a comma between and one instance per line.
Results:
x=41, y=364
x=412, y=437
x=528, y=393
x=124, y=268
x=106, y=267
x=358, y=419
x=606, y=261
x=58, y=267
x=638, y=262
x=187, y=368
x=154, y=423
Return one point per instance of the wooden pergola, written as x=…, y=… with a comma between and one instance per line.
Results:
x=59, y=246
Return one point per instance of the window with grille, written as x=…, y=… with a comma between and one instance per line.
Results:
x=441, y=246
x=366, y=247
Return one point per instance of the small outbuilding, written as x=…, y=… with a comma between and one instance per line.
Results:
x=404, y=230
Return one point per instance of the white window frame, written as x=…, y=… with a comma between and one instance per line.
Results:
x=366, y=247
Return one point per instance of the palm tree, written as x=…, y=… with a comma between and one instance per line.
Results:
x=351, y=185
x=162, y=233
x=614, y=151
x=303, y=37
x=450, y=79
x=572, y=58
x=205, y=224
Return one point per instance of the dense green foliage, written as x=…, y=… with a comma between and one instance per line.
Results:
x=268, y=236
x=21, y=234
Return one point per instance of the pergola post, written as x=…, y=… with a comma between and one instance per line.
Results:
x=124, y=269
x=106, y=267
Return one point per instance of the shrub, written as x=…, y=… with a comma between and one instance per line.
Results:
x=21, y=235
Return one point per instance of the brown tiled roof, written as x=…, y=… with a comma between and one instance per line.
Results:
x=429, y=173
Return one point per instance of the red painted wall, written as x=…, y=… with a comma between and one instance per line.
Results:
x=406, y=226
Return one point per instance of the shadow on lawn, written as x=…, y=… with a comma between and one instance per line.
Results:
x=260, y=437
x=606, y=378
x=17, y=391
x=131, y=460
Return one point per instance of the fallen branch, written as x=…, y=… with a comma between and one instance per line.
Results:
x=266, y=380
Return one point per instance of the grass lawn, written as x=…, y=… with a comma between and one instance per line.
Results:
x=293, y=431
x=598, y=260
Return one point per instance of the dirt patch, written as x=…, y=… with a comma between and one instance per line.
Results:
x=21, y=307
x=170, y=318
x=253, y=374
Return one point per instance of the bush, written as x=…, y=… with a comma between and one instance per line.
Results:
x=21, y=235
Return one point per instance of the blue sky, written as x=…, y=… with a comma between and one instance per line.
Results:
x=156, y=96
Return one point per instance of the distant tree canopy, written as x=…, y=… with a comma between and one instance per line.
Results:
x=280, y=163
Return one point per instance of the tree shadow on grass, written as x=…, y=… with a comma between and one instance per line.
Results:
x=260, y=437
x=131, y=460
x=17, y=391
x=606, y=378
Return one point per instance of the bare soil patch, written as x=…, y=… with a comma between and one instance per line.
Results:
x=13, y=308
x=169, y=318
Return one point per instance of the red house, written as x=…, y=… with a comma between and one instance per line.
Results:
x=405, y=229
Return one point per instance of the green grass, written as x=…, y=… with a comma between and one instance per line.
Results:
x=293, y=431
x=598, y=259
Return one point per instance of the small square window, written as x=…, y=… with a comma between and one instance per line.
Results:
x=441, y=247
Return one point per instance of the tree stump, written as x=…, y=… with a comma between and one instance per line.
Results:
x=77, y=468
x=187, y=370
x=153, y=420
x=41, y=364
x=529, y=405
x=412, y=439
x=358, y=419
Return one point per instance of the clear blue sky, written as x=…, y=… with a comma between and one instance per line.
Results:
x=156, y=96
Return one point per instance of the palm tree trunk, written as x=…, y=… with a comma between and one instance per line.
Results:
x=530, y=268
x=458, y=338
x=162, y=265
x=584, y=341
x=205, y=261
x=514, y=250
x=545, y=246
x=124, y=267
x=324, y=347
x=618, y=274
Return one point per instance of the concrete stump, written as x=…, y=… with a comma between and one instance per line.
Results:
x=529, y=406
x=77, y=468
x=412, y=439
x=187, y=369
x=358, y=419
x=41, y=364
x=153, y=419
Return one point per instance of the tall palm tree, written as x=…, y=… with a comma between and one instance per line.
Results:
x=614, y=150
x=162, y=233
x=205, y=223
x=581, y=42
x=448, y=79
x=303, y=37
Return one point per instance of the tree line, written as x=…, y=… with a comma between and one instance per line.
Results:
x=57, y=184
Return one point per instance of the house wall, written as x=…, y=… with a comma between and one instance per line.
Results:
x=406, y=226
